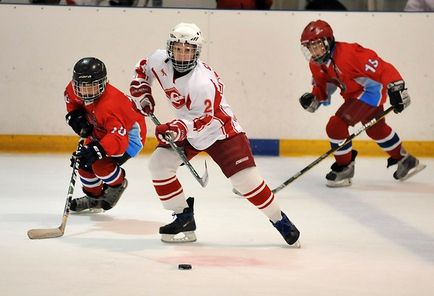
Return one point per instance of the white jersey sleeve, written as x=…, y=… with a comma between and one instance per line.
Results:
x=197, y=99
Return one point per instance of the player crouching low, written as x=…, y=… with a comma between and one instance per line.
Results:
x=114, y=132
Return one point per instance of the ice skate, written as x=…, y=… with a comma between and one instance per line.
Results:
x=86, y=203
x=407, y=167
x=112, y=195
x=288, y=230
x=182, y=228
x=341, y=176
x=108, y=200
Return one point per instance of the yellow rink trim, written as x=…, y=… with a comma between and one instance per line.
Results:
x=50, y=144
x=66, y=144
x=364, y=147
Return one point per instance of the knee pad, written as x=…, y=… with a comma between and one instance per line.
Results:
x=163, y=163
x=379, y=131
x=337, y=128
x=246, y=180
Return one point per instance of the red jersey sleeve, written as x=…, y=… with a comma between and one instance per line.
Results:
x=122, y=124
x=369, y=64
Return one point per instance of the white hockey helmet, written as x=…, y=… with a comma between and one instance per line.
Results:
x=185, y=33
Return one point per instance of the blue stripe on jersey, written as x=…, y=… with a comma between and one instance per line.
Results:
x=371, y=94
x=135, y=143
x=330, y=89
x=390, y=143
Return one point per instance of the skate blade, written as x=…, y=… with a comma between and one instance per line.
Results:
x=296, y=245
x=413, y=172
x=88, y=211
x=182, y=237
x=341, y=183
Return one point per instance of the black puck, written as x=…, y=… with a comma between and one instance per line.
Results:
x=184, y=266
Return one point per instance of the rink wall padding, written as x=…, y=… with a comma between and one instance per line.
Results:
x=260, y=147
x=256, y=53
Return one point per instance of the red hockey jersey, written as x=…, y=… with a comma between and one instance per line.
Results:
x=118, y=126
x=359, y=73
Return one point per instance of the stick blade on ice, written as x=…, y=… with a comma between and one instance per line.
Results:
x=44, y=233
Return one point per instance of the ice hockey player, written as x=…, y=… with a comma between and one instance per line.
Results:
x=204, y=122
x=114, y=130
x=365, y=80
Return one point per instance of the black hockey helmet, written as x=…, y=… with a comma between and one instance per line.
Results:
x=89, y=79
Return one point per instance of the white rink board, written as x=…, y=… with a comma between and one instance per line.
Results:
x=256, y=53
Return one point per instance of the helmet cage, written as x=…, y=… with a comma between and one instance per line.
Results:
x=183, y=66
x=89, y=90
x=183, y=34
x=317, y=50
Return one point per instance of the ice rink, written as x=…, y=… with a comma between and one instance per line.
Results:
x=374, y=238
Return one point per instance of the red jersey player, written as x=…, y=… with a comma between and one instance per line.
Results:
x=114, y=130
x=365, y=80
x=204, y=122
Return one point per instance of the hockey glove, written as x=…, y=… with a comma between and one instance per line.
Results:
x=174, y=130
x=398, y=95
x=309, y=102
x=77, y=120
x=142, y=95
x=87, y=155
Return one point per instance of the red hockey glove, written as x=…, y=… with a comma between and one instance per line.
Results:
x=142, y=92
x=175, y=130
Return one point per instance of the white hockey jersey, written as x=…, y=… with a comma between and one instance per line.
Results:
x=197, y=98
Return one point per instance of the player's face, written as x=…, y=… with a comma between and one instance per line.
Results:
x=88, y=90
x=183, y=52
x=317, y=48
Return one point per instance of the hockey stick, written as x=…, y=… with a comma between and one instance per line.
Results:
x=59, y=231
x=343, y=143
x=203, y=181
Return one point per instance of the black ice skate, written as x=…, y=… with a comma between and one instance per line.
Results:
x=108, y=200
x=288, y=230
x=87, y=202
x=407, y=167
x=340, y=176
x=183, y=224
x=112, y=195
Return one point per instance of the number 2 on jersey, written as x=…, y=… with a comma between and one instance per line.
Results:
x=208, y=106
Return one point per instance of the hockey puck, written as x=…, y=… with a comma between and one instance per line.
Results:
x=184, y=266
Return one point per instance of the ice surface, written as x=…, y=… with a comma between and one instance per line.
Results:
x=374, y=238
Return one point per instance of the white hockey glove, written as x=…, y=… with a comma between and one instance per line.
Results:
x=141, y=92
x=398, y=96
x=309, y=102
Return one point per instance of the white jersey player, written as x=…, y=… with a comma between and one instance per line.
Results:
x=204, y=122
x=197, y=98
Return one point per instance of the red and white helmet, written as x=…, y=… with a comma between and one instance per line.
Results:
x=317, y=41
x=185, y=33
